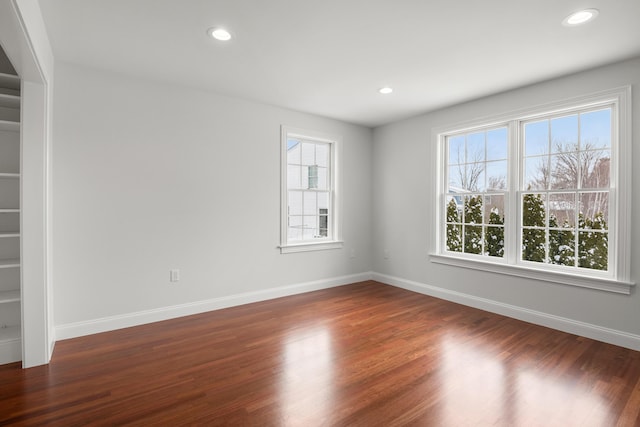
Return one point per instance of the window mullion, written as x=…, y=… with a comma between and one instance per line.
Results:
x=513, y=226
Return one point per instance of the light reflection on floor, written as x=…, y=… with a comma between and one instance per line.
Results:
x=307, y=380
x=472, y=382
x=480, y=388
x=557, y=403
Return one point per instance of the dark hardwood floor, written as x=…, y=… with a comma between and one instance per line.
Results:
x=366, y=354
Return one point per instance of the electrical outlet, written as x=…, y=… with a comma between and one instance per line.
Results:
x=174, y=275
x=352, y=253
x=386, y=254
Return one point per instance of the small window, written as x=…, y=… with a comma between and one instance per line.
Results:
x=309, y=192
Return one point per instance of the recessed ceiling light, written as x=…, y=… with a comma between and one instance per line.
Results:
x=580, y=17
x=219, y=34
x=385, y=90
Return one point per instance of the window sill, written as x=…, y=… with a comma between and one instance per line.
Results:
x=602, y=284
x=310, y=246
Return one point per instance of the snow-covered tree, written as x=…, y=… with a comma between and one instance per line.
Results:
x=533, y=240
x=494, y=236
x=473, y=224
x=454, y=231
x=593, y=246
x=561, y=243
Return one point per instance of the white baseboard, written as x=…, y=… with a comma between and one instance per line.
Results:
x=52, y=346
x=588, y=330
x=94, y=326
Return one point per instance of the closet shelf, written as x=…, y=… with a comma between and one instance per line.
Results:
x=9, y=296
x=10, y=333
x=9, y=101
x=9, y=263
x=9, y=126
x=10, y=81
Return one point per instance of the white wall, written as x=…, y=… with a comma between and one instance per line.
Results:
x=403, y=212
x=149, y=177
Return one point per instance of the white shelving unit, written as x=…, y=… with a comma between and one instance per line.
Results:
x=10, y=293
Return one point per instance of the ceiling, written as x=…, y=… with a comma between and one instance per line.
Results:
x=329, y=57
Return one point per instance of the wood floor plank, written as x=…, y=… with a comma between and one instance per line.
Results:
x=365, y=354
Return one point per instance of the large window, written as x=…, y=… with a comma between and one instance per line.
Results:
x=309, y=191
x=544, y=193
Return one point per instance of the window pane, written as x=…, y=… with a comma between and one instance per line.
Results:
x=456, y=149
x=497, y=144
x=465, y=178
x=293, y=176
x=494, y=209
x=470, y=177
x=595, y=172
x=477, y=177
x=293, y=152
x=533, y=245
x=593, y=250
x=295, y=202
x=473, y=209
x=323, y=181
x=494, y=241
x=454, y=208
x=323, y=200
x=308, y=153
x=475, y=147
x=536, y=138
x=533, y=210
x=594, y=210
x=323, y=225
x=310, y=203
x=564, y=134
x=562, y=210
x=313, y=176
x=536, y=173
x=456, y=178
x=595, y=129
x=310, y=230
x=322, y=155
x=496, y=173
x=473, y=239
x=294, y=231
x=564, y=171
x=562, y=247
x=454, y=238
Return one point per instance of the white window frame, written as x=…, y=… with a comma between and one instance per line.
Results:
x=333, y=239
x=617, y=278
